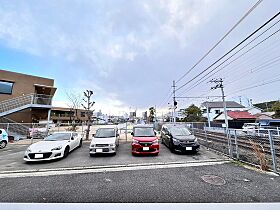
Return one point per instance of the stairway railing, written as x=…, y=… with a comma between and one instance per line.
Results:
x=29, y=99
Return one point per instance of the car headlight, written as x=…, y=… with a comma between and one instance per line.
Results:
x=28, y=149
x=135, y=141
x=57, y=148
x=176, y=140
x=155, y=141
x=195, y=140
x=112, y=145
x=92, y=145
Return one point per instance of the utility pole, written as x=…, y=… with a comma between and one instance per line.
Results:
x=240, y=100
x=174, y=102
x=208, y=117
x=219, y=84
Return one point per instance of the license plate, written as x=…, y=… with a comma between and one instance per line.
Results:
x=146, y=148
x=99, y=150
x=188, y=148
x=39, y=156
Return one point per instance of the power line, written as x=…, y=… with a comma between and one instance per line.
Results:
x=257, y=69
x=201, y=79
x=240, y=43
x=169, y=94
x=199, y=61
x=262, y=54
x=255, y=86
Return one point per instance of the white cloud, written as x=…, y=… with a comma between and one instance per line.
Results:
x=113, y=47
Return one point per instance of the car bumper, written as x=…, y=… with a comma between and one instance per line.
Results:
x=187, y=147
x=30, y=157
x=105, y=150
x=139, y=149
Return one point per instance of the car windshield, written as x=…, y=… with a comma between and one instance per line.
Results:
x=58, y=137
x=180, y=131
x=143, y=132
x=105, y=133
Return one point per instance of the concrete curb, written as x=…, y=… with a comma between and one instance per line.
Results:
x=112, y=166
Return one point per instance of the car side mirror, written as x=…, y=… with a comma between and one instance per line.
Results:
x=72, y=138
x=132, y=134
x=155, y=132
x=93, y=135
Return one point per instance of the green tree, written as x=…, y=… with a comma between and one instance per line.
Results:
x=193, y=114
x=276, y=109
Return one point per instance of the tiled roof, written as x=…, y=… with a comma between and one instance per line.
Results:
x=240, y=115
x=219, y=104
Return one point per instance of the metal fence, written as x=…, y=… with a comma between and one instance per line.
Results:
x=31, y=132
x=260, y=147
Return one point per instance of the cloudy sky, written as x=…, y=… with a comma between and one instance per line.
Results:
x=128, y=52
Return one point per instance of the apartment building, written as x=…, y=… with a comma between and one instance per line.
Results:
x=67, y=115
x=25, y=98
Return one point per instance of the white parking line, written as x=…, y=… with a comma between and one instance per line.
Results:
x=104, y=169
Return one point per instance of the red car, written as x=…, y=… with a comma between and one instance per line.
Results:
x=144, y=140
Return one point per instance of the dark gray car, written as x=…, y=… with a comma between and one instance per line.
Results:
x=179, y=138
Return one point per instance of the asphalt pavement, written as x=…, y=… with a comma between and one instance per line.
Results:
x=11, y=158
x=180, y=185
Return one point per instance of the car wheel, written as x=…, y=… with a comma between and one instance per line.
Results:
x=171, y=147
x=194, y=152
x=81, y=143
x=3, y=144
x=66, y=152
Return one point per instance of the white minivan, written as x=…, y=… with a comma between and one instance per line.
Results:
x=3, y=138
x=106, y=140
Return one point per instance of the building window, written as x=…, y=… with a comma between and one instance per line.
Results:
x=6, y=87
x=83, y=114
x=217, y=112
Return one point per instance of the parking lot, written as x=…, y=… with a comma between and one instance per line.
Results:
x=118, y=178
x=11, y=158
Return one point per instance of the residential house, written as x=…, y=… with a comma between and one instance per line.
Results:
x=217, y=107
x=236, y=119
